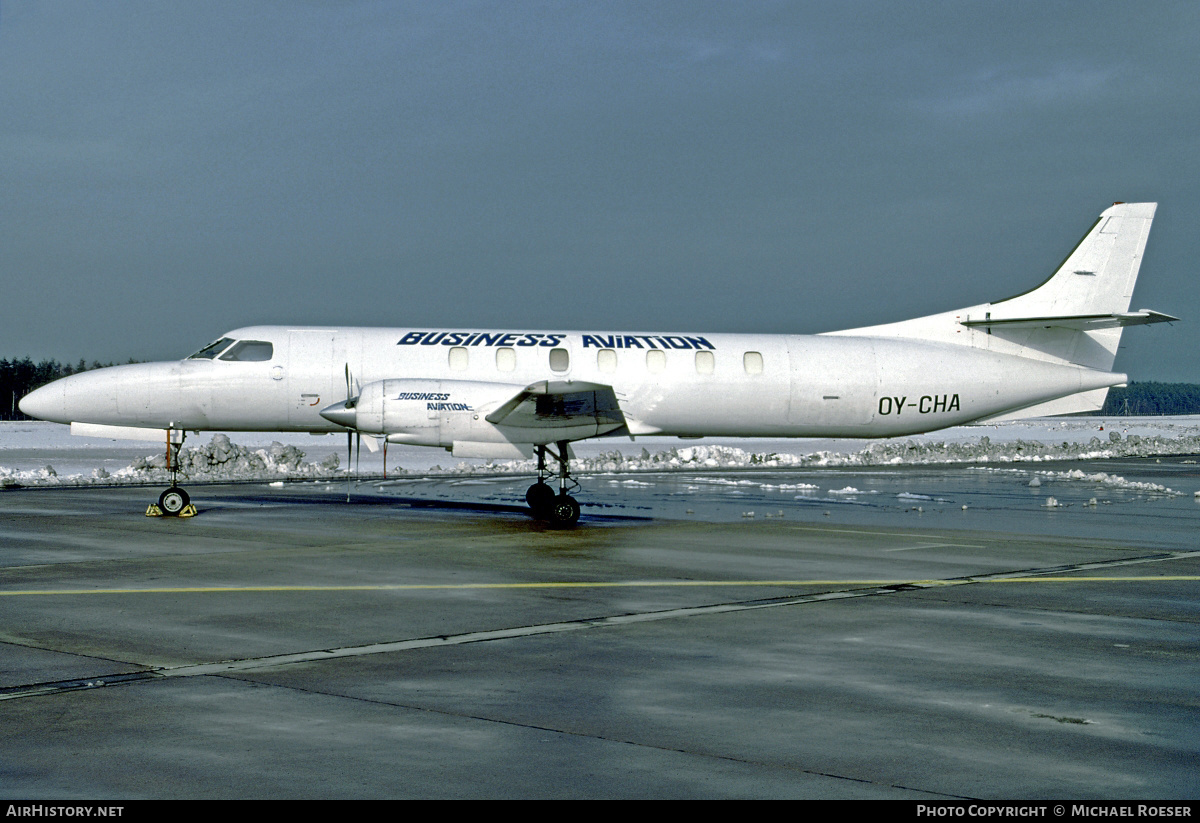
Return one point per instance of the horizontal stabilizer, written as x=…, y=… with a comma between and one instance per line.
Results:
x=1077, y=322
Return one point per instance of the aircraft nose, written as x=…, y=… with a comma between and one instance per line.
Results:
x=46, y=403
x=87, y=397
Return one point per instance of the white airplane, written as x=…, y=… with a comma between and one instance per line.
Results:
x=511, y=394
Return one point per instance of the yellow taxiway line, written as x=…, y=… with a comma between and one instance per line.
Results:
x=596, y=585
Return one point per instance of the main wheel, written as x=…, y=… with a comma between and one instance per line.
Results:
x=539, y=497
x=173, y=500
x=565, y=510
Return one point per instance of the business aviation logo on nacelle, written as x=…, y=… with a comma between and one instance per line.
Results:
x=434, y=401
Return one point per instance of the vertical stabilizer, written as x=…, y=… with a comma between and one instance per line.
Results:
x=1098, y=276
x=1078, y=314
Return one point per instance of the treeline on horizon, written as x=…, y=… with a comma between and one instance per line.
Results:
x=1153, y=399
x=19, y=377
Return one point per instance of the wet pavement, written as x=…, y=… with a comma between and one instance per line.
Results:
x=429, y=639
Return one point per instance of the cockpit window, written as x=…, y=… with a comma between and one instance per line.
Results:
x=212, y=349
x=250, y=351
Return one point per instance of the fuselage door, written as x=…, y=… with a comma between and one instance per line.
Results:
x=314, y=380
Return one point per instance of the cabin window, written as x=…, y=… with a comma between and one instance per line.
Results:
x=212, y=349
x=656, y=361
x=753, y=362
x=458, y=358
x=706, y=363
x=560, y=360
x=250, y=351
x=506, y=359
x=606, y=360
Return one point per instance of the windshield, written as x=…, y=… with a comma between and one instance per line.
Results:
x=212, y=349
x=250, y=351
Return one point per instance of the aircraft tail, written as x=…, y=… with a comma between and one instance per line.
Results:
x=1075, y=317
x=1078, y=313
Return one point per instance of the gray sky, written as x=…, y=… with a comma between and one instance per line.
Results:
x=172, y=170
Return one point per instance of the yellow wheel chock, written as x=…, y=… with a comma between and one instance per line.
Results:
x=154, y=511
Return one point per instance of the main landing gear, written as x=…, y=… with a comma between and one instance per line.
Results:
x=174, y=502
x=559, y=509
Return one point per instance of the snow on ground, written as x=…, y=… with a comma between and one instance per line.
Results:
x=1103, y=479
x=37, y=453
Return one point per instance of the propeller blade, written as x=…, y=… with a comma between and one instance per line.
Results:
x=357, y=454
x=343, y=415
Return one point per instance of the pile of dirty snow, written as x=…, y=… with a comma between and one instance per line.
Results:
x=28, y=445
x=220, y=459
x=878, y=453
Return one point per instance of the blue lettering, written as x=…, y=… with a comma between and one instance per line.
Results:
x=589, y=341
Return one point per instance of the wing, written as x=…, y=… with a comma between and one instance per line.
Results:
x=572, y=409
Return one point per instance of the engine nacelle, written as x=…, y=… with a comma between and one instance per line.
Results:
x=426, y=412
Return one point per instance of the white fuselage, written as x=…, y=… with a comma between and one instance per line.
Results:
x=1045, y=351
x=689, y=385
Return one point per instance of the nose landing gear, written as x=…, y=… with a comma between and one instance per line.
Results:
x=558, y=509
x=174, y=502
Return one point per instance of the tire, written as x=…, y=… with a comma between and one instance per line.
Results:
x=540, y=498
x=173, y=501
x=564, y=511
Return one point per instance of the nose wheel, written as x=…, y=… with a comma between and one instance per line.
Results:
x=173, y=501
x=559, y=509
